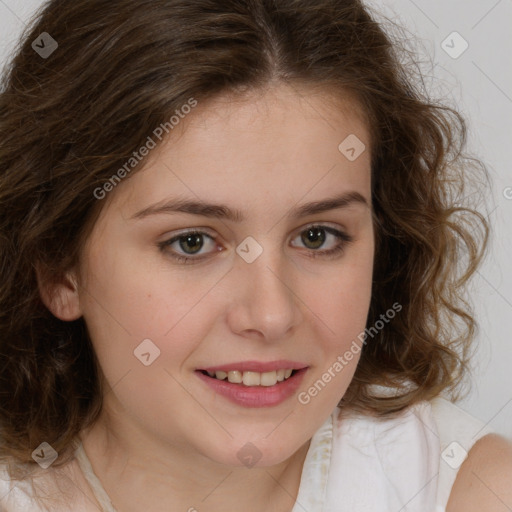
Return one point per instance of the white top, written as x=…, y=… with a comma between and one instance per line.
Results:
x=407, y=463
x=355, y=463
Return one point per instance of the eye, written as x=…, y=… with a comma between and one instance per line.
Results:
x=185, y=246
x=315, y=237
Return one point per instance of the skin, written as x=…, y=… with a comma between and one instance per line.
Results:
x=165, y=441
x=484, y=479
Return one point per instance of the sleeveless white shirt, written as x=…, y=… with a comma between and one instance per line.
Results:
x=355, y=463
x=407, y=463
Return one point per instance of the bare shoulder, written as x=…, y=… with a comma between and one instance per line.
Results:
x=484, y=481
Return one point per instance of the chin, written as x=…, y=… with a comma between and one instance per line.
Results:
x=255, y=453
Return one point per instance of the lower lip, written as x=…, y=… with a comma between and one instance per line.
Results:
x=255, y=396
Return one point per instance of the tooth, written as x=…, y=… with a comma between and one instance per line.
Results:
x=235, y=377
x=221, y=375
x=268, y=378
x=280, y=375
x=211, y=374
x=287, y=373
x=251, y=378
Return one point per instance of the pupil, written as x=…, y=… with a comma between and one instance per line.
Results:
x=314, y=236
x=192, y=241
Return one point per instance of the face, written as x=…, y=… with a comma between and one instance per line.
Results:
x=172, y=289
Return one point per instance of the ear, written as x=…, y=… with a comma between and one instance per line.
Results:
x=60, y=297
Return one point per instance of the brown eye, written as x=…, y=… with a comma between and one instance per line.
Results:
x=187, y=247
x=191, y=243
x=313, y=238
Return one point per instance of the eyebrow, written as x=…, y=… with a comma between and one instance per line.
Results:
x=220, y=211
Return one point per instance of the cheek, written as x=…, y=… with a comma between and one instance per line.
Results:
x=134, y=289
x=126, y=300
x=344, y=299
x=342, y=305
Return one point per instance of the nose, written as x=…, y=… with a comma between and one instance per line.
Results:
x=264, y=304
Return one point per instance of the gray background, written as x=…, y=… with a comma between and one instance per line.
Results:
x=479, y=83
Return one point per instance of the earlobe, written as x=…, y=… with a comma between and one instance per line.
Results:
x=61, y=298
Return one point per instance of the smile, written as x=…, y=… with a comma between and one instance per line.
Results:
x=249, y=388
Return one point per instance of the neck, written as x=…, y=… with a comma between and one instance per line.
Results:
x=139, y=473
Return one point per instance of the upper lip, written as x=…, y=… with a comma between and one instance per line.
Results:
x=256, y=366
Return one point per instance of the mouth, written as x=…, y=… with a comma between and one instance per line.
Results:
x=250, y=388
x=251, y=378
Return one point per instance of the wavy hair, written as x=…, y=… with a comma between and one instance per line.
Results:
x=69, y=120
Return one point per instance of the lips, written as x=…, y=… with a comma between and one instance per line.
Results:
x=254, y=383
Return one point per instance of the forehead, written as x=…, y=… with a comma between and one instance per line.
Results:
x=281, y=143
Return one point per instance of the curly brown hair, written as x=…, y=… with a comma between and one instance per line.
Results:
x=69, y=120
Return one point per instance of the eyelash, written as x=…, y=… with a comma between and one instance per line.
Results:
x=344, y=239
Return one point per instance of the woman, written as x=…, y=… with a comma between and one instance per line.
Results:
x=230, y=275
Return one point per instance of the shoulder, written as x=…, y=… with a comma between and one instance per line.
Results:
x=14, y=494
x=368, y=452
x=58, y=489
x=484, y=481
x=465, y=466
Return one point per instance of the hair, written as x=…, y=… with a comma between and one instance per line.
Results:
x=69, y=121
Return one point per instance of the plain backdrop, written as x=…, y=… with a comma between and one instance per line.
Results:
x=470, y=70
